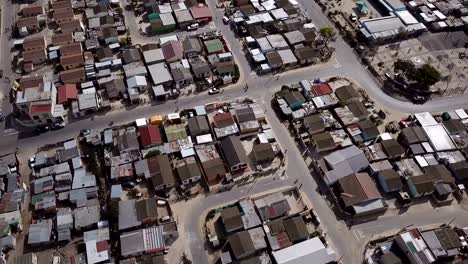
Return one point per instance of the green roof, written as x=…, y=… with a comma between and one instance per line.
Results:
x=362, y=7
x=175, y=132
x=153, y=16
x=214, y=46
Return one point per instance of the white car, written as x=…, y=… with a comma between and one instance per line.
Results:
x=193, y=27
x=32, y=161
x=214, y=91
x=225, y=20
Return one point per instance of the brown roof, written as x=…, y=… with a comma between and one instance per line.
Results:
x=68, y=26
x=358, y=188
x=162, y=165
x=32, y=10
x=263, y=152
x=296, y=229
x=63, y=14
x=440, y=172
x=26, y=22
x=392, y=179
x=71, y=49
x=60, y=38
x=146, y=208
x=61, y=4
x=274, y=58
x=424, y=183
x=72, y=76
x=392, y=148
x=31, y=82
x=34, y=43
x=34, y=55
x=72, y=59
x=233, y=151
x=231, y=217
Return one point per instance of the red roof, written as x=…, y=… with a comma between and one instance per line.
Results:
x=101, y=246
x=172, y=50
x=150, y=135
x=66, y=92
x=40, y=108
x=223, y=119
x=200, y=12
x=321, y=89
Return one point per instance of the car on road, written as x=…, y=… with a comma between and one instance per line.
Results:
x=57, y=126
x=214, y=91
x=418, y=99
x=194, y=26
x=225, y=20
x=85, y=131
x=41, y=129
x=2, y=117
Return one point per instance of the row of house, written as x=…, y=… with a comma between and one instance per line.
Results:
x=423, y=246
x=173, y=64
x=276, y=34
x=360, y=162
x=269, y=228
x=189, y=148
x=11, y=202
x=167, y=17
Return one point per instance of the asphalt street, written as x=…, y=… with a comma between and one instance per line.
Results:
x=348, y=242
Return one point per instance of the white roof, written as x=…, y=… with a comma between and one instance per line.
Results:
x=461, y=113
x=114, y=45
x=154, y=55
x=425, y=119
x=141, y=122
x=93, y=256
x=439, y=15
x=406, y=17
x=309, y=251
x=173, y=116
x=287, y=56
x=168, y=38
x=279, y=14
x=167, y=19
x=159, y=73
x=136, y=81
x=382, y=24
x=166, y=8
x=204, y=139
x=439, y=138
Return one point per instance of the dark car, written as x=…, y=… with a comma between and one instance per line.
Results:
x=41, y=129
x=129, y=185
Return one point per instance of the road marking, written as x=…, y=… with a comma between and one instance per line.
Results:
x=9, y=132
x=338, y=64
x=358, y=234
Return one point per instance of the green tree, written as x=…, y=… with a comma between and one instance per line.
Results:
x=406, y=67
x=327, y=33
x=427, y=76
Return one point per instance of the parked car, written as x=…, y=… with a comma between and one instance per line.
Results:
x=57, y=126
x=194, y=26
x=214, y=91
x=32, y=161
x=225, y=20
x=128, y=185
x=41, y=129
